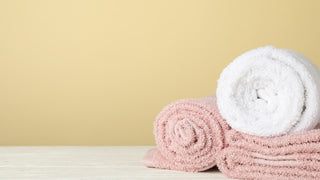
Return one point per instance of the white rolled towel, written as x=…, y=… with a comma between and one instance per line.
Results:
x=270, y=92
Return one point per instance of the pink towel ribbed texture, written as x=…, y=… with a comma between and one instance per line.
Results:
x=192, y=136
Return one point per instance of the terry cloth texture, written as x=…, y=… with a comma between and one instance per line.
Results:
x=192, y=136
x=270, y=92
x=188, y=134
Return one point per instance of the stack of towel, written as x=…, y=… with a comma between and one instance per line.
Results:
x=260, y=125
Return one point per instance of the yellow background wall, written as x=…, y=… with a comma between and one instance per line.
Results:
x=94, y=72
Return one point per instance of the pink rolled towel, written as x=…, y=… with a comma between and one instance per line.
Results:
x=188, y=134
x=192, y=136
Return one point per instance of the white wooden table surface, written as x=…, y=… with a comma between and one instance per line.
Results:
x=85, y=162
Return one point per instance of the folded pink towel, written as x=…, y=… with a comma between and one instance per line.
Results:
x=294, y=156
x=192, y=136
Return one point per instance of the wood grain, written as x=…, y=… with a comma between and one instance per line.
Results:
x=85, y=162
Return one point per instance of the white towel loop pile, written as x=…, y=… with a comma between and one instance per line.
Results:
x=270, y=92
